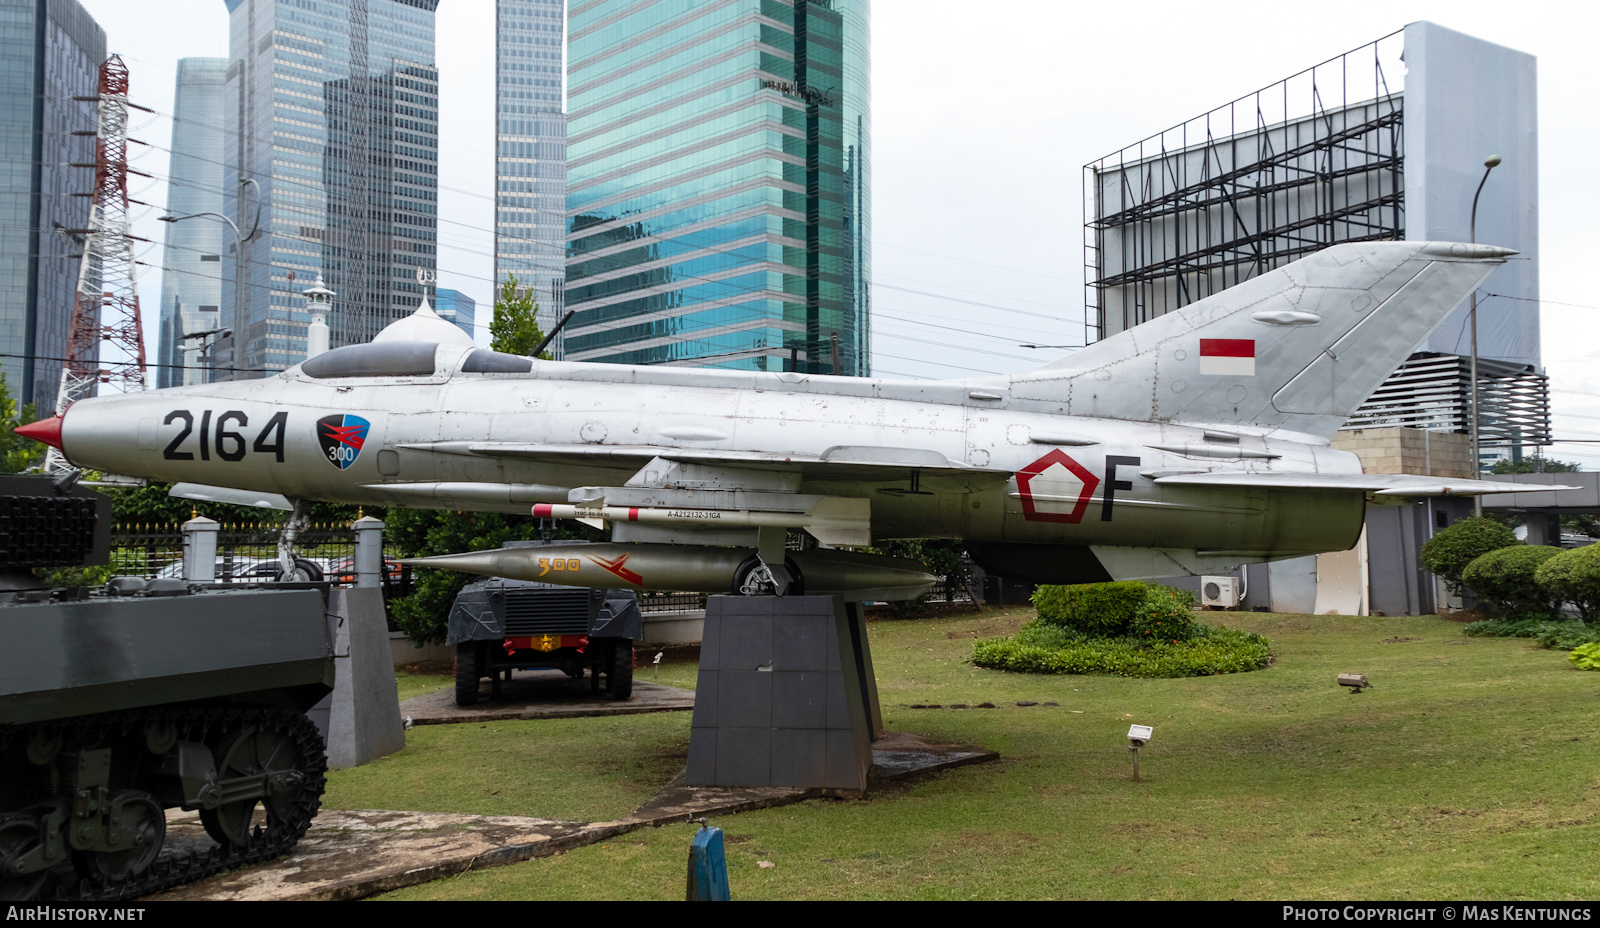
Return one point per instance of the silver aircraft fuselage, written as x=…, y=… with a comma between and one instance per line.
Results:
x=1192, y=443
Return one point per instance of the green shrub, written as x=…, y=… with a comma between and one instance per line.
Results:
x=1574, y=577
x=1586, y=657
x=1561, y=635
x=1167, y=614
x=1102, y=609
x=1565, y=636
x=1502, y=628
x=1449, y=551
x=1041, y=648
x=1507, y=577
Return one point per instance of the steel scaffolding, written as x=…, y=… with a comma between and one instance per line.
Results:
x=1308, y=162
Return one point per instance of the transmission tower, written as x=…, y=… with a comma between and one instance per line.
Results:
x=106, y=308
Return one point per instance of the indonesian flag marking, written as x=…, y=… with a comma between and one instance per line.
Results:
x=1229, y=357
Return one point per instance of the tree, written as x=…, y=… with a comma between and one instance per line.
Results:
x=1529, y=466
x=515, y=327
x=17, y=454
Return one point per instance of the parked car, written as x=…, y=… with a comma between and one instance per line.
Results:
x=245, y=571
x=343, y=570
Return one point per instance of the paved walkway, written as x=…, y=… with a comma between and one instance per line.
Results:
x=353, y=854
x=542, y=694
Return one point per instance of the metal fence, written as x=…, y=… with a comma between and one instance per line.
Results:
x=244, y=551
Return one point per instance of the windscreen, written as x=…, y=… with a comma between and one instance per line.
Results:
x=494, y=362
x=378, y=359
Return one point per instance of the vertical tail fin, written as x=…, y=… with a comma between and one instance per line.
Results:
x=1298, y=348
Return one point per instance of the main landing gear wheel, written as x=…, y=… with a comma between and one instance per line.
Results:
x=139, y=815
x=753, y=578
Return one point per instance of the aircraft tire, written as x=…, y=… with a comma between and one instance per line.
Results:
x=467, y=673
x=753, y=563
x=308, y=569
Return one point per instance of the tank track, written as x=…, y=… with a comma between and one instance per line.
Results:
x=204, y=724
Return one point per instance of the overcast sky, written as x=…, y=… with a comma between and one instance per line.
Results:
x=983, y=117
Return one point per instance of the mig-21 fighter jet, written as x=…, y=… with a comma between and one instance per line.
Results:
x=1190, y=444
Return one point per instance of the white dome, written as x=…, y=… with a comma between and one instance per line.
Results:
x=424, y=325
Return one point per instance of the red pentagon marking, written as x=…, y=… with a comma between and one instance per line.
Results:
x=1056, y=458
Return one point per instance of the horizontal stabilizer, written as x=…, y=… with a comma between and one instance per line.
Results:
x=1399, y=485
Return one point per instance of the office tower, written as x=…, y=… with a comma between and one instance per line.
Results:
x=530, y=152
x=332, y=108
x=191, y=279
x=718, y=183
x=457, y=307
x=52, y=51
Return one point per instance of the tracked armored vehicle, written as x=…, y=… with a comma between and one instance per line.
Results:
x=120, y=703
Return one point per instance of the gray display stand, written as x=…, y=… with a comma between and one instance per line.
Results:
x=360, y=719
x=786, y=695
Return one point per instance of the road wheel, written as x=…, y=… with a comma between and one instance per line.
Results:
x=619, y=669
x=467, y=673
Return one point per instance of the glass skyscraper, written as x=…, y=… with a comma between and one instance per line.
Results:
x=191, y=280
x=50, y=52
x=719, y=183
x=333, y=108
x=457, y=307
x=531, y=152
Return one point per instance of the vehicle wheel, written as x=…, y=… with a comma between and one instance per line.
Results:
x=142, y=817
x=19, y=834
x=467, y=673
x=303, y=570
x=255, y=749
x=619, y=669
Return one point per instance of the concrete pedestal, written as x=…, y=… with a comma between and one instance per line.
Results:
x=360, y=719
x=786, y=695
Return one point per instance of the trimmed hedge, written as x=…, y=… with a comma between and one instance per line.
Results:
x=1166, y=614
x=1044, y=648
x=1574, y=577
x=1450, y=551
x=1507, y=577
x=1093, y=608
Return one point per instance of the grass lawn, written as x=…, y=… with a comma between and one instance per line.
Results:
x=1471, y=770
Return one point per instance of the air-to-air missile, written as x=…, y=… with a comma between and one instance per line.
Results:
x=1193, y=443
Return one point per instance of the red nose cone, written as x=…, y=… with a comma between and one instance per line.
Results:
x=45, y=430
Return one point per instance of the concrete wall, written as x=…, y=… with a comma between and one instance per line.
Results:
x=1408, y=451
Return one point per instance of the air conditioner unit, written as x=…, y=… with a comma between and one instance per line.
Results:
x=1220, y=592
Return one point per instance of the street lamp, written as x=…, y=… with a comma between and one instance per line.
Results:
x=238, y=244
x=205, y=345
x=1489, y=164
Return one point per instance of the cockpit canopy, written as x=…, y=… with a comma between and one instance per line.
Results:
x=406, y=359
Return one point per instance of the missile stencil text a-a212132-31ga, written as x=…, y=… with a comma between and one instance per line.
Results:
x=1192, y=443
